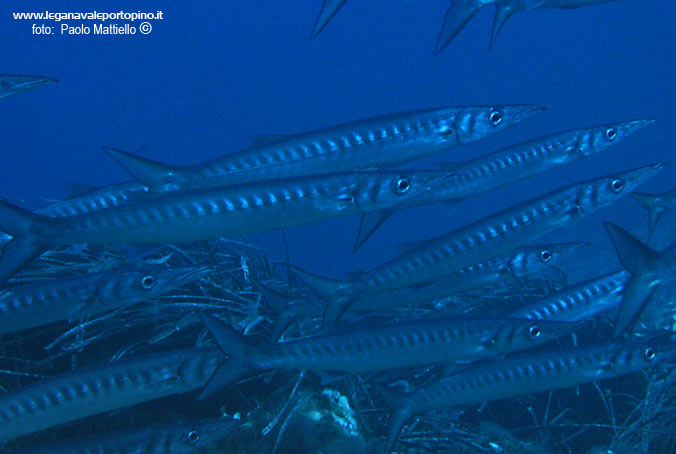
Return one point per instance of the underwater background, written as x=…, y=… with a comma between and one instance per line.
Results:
x=210, y=76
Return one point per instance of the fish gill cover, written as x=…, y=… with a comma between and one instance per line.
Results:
x=183, y=186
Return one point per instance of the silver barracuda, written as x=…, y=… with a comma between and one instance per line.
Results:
x=191, y=216
x=367, y=144
x=120, y=384
x=11, y=84
x=579, y=302
x=190, y=438
x=656, y=204
x=648, y=270
x=432, y=259
x=499, y=270
x=373, y=348
x=94, y=199
x=462, y=11
x=74, y=297
x=516, y=163
x=524, y=375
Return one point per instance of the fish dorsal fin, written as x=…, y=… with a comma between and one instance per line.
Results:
x=266, y=139
x=77, y=189
x=504, y=10
x=146, y=171
x=369, y=224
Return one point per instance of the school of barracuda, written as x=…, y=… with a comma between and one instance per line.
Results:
x=405, y=357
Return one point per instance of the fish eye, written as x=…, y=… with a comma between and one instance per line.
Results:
x=148, y=282
x=534, y=332
x=403, y=184
x=611, y=133
x=649, y=353
x=617, y=185
x=193, y=436
x=495, y=117
x=446, y=130
x=545, y=255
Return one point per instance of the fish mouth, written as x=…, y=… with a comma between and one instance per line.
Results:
x=522, y=113
x=631, y=126
x=638, y=176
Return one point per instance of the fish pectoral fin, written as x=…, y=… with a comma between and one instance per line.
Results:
x=370, y=222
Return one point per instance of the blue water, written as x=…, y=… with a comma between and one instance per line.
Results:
x=209, y=77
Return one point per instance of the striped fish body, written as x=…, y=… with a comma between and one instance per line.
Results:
x=579, y=302
x=498, y=234
x=97, y=199
x=524, y=375
x=159, y=439
x=12, y=84
x=210, y=214
x=527, y=159
x=366, y=144
x=534, y=373
x=67, y=298
x=121, y=384
x=405, y=344
x=502, y=269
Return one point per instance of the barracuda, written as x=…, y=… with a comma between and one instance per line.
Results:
x=516, y=163
x=486, y=238
x=656, y=204
x=462, y=11
x=74, y=297
x=83, y=393
x=498, y=270
x=374, y=348
x=367, y=144
x=524, y=375
x=648, y=270
x=192, y=216
x=14, y=84
x=159, y=439
x=579, y=302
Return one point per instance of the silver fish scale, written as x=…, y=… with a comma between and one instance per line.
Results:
x=404, y=344
x=531, y=374
x=579, y=302
x=497, y=234
x=88, y=392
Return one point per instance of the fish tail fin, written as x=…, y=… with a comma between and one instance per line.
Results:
x=652, y=202
x=457, y=16
x=503, y=12
x=329, y=9
x=28, y=238
x=146, y=171
x=234, y=345
x=326, y=288
x=398, y=416
x=640, y=260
